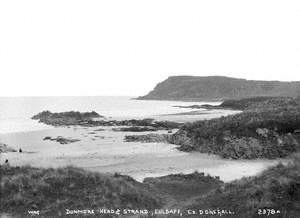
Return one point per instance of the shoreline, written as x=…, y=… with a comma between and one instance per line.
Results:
x=110, y=154
x=74, y=141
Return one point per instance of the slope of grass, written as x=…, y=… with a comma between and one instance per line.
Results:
x=51, y=191
x=178, y=190
x=277, y=188
x=258, y=103
x=266, y=130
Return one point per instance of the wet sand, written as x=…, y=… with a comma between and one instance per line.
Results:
x=105, y=151
x=196, y=114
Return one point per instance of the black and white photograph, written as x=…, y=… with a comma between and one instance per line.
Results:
x=150, y=109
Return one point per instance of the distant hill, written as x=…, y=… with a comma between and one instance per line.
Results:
x=194, y=88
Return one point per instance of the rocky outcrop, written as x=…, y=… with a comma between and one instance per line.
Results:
x=91, y=119
x=265, y=144
x=66, y=118
x=61, y=140
x=181, y=138
x=148, y=138
x=135, y=129
x=271, y=146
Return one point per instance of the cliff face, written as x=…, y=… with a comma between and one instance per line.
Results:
x=192, y=88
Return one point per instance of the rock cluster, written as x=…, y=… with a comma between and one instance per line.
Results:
x=148, y=138
x=92, y=119
x=61, y=140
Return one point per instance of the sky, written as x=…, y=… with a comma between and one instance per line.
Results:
x=71, y=47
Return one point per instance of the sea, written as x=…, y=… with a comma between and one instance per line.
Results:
x=16, y=112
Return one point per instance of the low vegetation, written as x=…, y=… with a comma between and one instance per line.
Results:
x=260, y=103
x=182, y=187
x=276, y=191
x=52, y=191
x=268, y=128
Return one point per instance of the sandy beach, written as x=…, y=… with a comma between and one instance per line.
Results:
x=105, y=151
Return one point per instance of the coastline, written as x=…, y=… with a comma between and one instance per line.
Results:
x=82, y=150
x=106, y=152
x=82, y=144
x=214, y=100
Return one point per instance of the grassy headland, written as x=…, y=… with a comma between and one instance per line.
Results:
x=198, y=88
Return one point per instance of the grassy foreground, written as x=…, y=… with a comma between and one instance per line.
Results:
x=52, y=191
x=276, y=190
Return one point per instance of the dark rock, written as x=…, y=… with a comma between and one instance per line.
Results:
x=88, y=120
x=61, y=139
x=47, y=138
x=136, y=129
x=148, y=138
x=66, y=118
